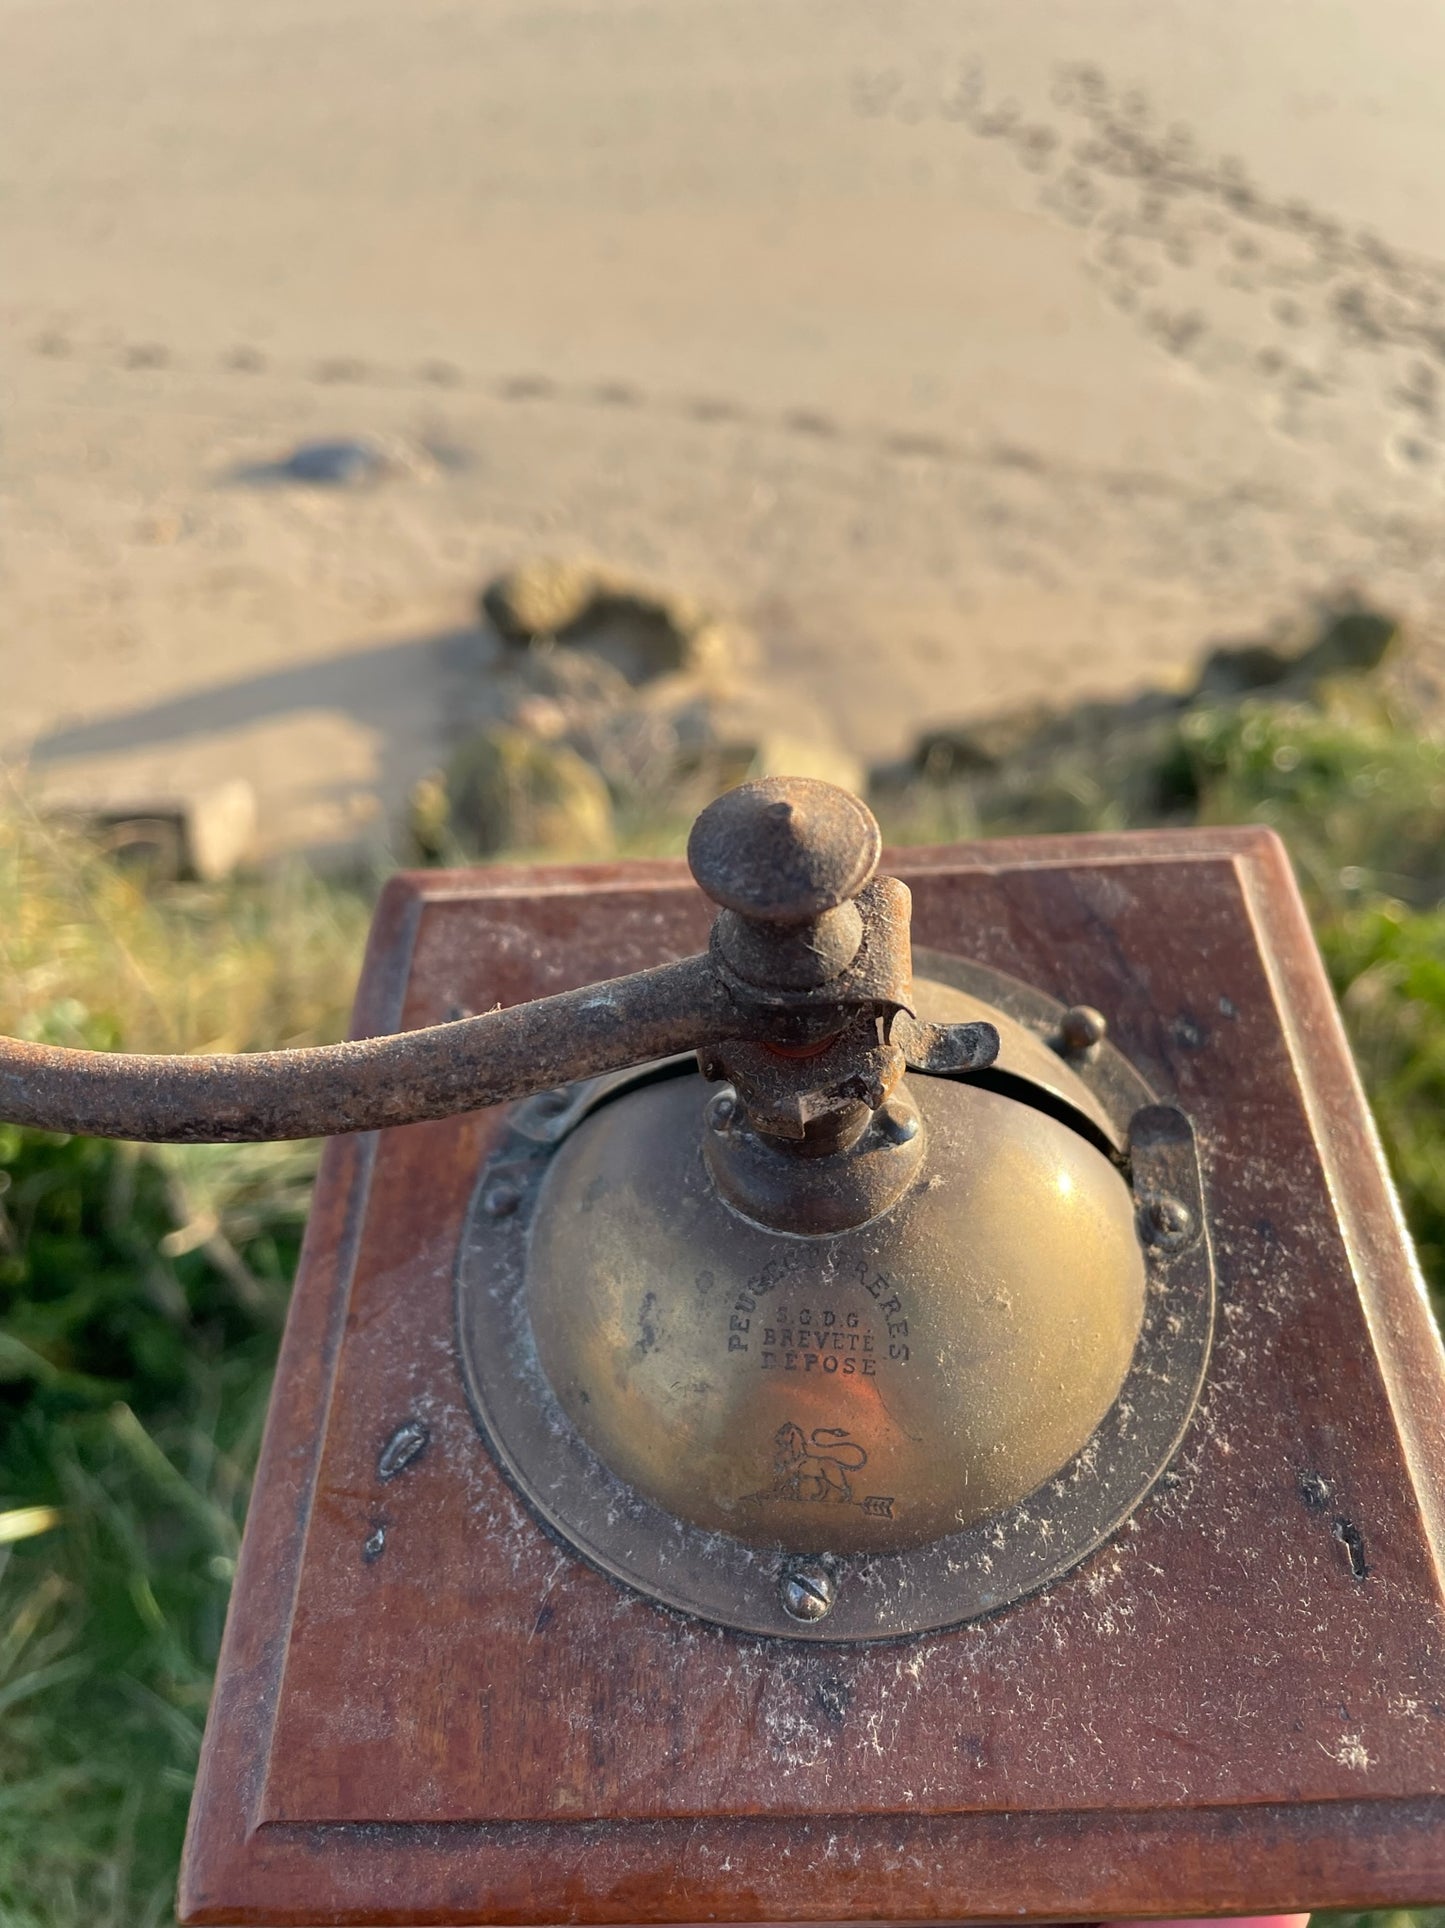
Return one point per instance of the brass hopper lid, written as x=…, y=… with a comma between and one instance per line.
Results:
x=859, y=1389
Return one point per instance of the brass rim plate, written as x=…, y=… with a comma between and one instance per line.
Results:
x=978, y=1571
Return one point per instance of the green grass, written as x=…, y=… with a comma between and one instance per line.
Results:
x=1362, y=808
x=134, y=1385
x=1358, y=796
x=142, y=1291
x=141, y=1297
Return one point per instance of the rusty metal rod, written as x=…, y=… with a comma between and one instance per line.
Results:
x=807, y=939
x=372, y=1082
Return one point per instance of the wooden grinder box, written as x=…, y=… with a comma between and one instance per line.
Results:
x=430, y=1710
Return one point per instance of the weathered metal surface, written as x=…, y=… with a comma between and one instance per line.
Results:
x=769, y=1184
x=945, y=1050
x=816, y=1098
x=373, y=1082
x=784, y=850
x=878, y=976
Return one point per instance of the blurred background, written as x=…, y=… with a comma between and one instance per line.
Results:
x=438, y=432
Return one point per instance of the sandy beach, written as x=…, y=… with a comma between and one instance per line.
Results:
x=965, y=352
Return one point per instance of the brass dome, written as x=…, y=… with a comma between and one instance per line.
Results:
x=862, y=1391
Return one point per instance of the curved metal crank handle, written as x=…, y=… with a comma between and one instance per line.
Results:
x=802, y=1000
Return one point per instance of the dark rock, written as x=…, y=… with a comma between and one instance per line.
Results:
x=1097, y=764
x=645, y=635
x=538, y=599
x=1239, y=669
x=1348, y=639
x=341, y=464
x=986, y=743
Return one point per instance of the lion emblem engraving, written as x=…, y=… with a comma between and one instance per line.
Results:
x=815, y=1469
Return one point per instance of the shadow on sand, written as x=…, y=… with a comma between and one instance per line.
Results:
x=414, y=698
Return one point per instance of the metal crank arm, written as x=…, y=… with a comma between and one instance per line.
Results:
x=808, y=967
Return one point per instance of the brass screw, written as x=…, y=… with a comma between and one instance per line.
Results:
x=1081, y=1028
x=501, y=1201
x=898, y=1124
x=1168, y=1223
x=807, y=1592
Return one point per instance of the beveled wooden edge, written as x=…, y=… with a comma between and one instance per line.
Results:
x=854, y=1870
x=1397, y=1308
x=1084, y=1866
x=237, y=1739
x=996, y=853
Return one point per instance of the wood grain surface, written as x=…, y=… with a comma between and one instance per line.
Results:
x=429, y=1711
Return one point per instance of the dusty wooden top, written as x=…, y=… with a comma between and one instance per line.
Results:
x=428, y=1710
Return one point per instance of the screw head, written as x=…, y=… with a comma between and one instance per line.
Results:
x=1168, y=1223
x=1082, y=1027
x=807, y=1592
x=722, y=1108
x=898, y=1123
x=501, y=1200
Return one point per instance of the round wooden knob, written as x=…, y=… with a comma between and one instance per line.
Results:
x=784, y=850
